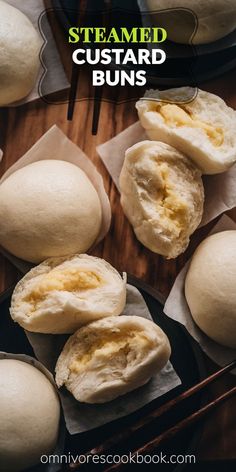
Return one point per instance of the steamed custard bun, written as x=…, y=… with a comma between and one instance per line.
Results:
x=111, y=357
x=162, y=196
x=48, y=209
x=210, y=287
x=29, y=416
x=195, y=122
x=19, y=54
x=62, y=294
x=194, y=21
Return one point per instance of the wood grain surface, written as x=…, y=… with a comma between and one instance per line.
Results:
x=21, y=127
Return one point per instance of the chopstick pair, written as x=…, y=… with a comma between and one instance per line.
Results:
x=156, y=413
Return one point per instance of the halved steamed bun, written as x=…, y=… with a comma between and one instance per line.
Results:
x=62, y=294
x=200, y=125
x=162, y=196
x=111, y=357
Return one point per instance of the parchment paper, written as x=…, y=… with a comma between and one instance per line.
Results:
x=176, y=308
x=82, y=417
x=56, y=77
x=61, y=439
x=220, y=189
x=55, y=145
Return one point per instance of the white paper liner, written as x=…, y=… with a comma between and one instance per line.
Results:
x=58, y=80
x=220, y=189
x=81, y=417
x=176, y=308
x=61, y=439
x=54, y=144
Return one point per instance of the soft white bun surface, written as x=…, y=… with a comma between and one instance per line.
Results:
x=162, y=196
x=214, y=19
x=29, y=415
x=111, y=357
x=19, y=54
x=48, y=209
x=203, y=128
x=210, y=287
x=62, y=294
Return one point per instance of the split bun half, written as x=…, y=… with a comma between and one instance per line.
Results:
x=111, y=357
x=200, y=125
x=162, y=196
x=62, y=294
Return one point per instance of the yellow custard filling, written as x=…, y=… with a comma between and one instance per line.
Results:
x=69, y=280
x=176, y=116
x=109, y=346
x=174, y=208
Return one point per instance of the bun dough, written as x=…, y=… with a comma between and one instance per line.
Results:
x=162, y=196
x=210, y=287
x=48, y=209
x=60, y=295
x=19, y=54
x=111, y=357
x=203, y=128
x=201, y=22
x=29, y=415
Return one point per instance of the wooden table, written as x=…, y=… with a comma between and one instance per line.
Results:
x=21, y=127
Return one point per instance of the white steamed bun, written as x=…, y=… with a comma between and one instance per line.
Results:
x=162, y=196
x=200, y=125
x=195, y=21
x=210, y=287
x=111, y=357
x=29, y=415
x=48, y=209
x=19, y=54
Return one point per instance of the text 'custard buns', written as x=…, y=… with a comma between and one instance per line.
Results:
x=48, y=209
x=60, y=295
x=203, y=128
x=19, y=54
x=210, y=287
x=162, y=196
x=111, y=357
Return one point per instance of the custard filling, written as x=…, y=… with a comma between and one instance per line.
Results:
x=69, y=280
x=176, y=116
x=174, y=208
x=109, y=346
